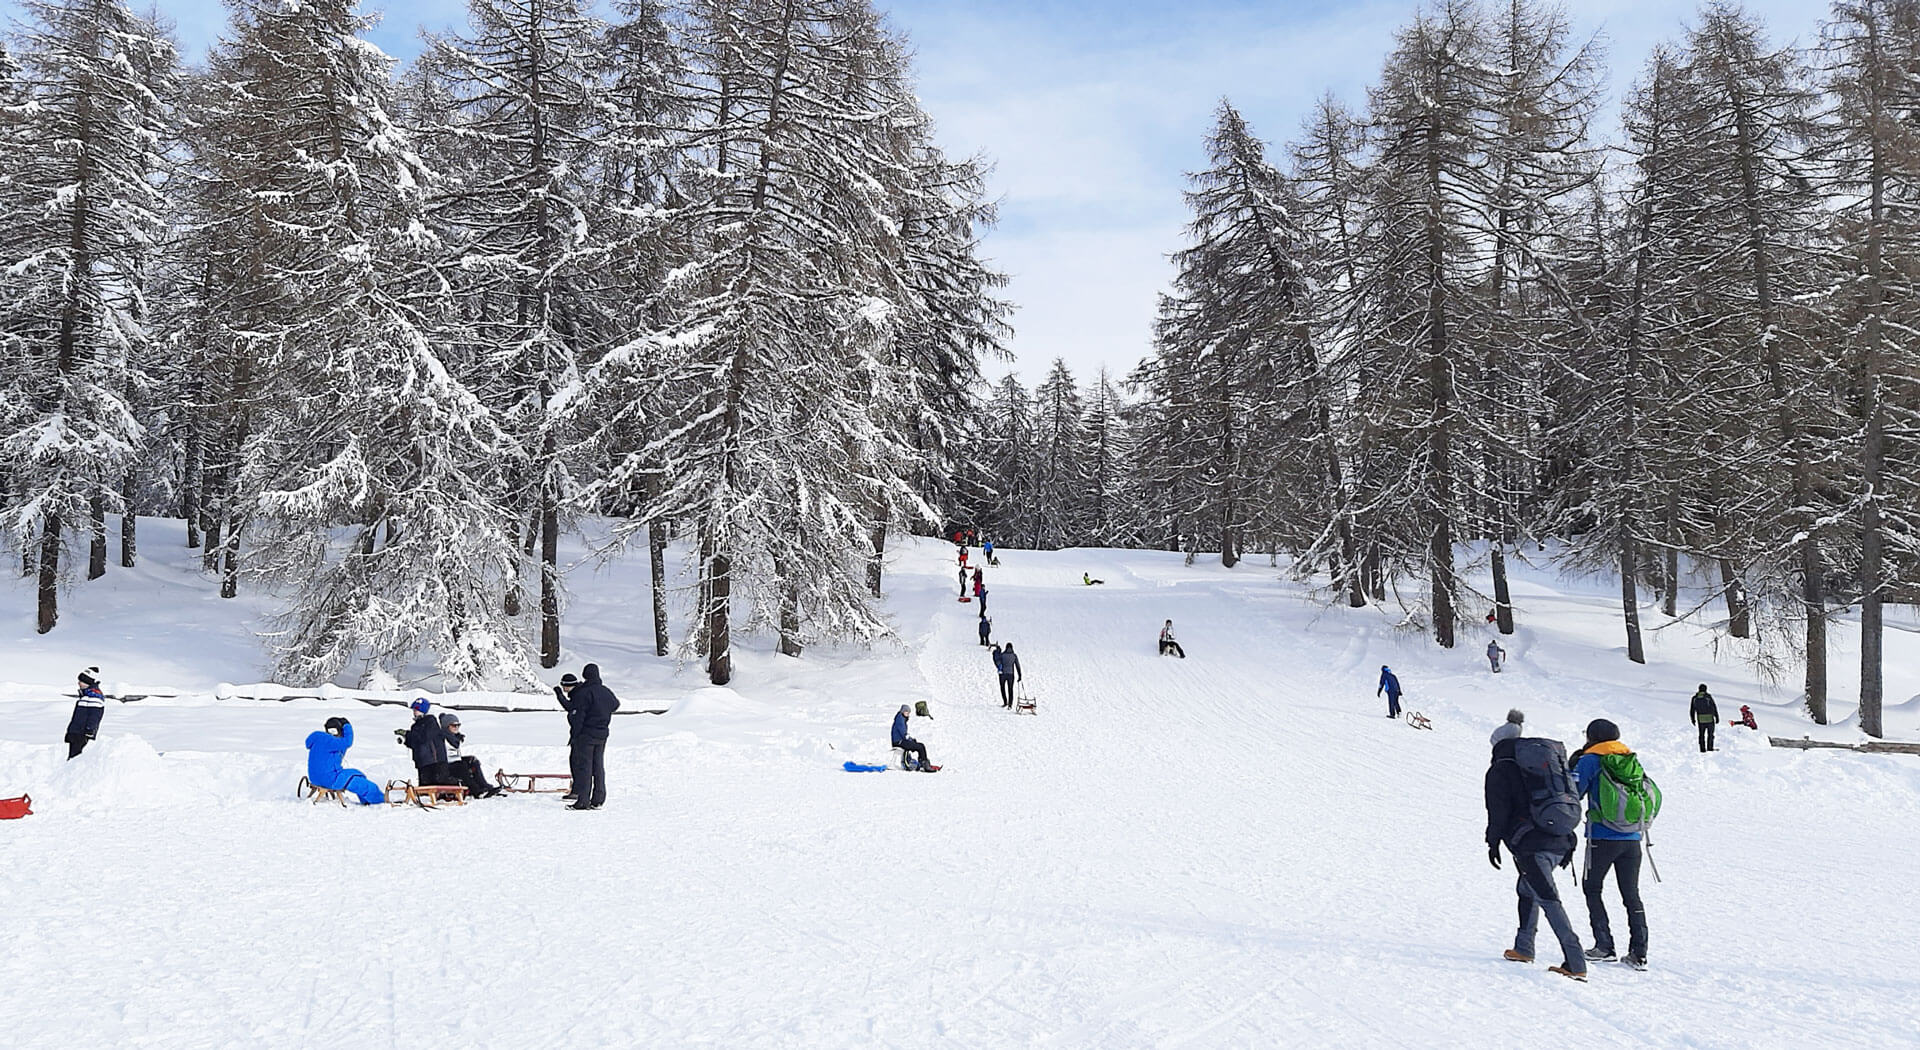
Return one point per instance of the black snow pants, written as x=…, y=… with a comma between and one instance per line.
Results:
x=589, y=762
x=1706, y=735
x=1623, y=858
x=1006, y=690
x=76, y=743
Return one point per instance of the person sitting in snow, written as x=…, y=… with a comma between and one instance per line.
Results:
x=907, y=743
x=1087, y=579
x=1168, y=644
x=464, y=769
x=326, y=751
x=88, y=708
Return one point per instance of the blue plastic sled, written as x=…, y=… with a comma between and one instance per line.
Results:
x=855, y=767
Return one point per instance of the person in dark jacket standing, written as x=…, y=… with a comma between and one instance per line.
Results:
x=1007, y=663
x=1536, y=853
x=986, y=631
x=1390, y=685
x=88, y=708
x=594, y=705
x=564, y=693
x=1705, y=714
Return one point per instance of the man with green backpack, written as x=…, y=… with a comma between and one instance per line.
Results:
x=1621, y=804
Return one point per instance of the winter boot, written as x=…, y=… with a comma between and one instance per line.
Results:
x=1600, y=954
x=1638, y=962
x=1513, y=956
x=1578, y=975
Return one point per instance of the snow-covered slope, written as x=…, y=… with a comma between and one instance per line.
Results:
x=1233, y=850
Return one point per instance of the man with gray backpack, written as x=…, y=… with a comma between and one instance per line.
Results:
x=1532, y=808
x=1621, y=804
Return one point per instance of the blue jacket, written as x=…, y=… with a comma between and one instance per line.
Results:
x=1586, y=775
x=900, y=729
x=1389, y=683
x=325, y=754
x=86, y=713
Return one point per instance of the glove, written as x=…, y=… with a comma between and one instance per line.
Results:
x=1493, y=854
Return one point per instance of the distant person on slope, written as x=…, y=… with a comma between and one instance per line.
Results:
x=1390, y=685
x=1088, y=580
x=88, y=707
x=1007, y=663
x=1515, y=726
x=1705, y=714
x=1495, y=655
x=1603, y=772
x=986, y=631
x=464, y=769
x=1515, y=779
x=980, y=595
x=986, y=550
x=907, y=743
x=595, y=704
x=1168, y=644
x=326, y=753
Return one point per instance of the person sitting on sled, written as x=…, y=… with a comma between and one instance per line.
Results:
x=464, y=769
x=1087, y=578
x=326, y=751
x=1168, y=644
x=906, y=743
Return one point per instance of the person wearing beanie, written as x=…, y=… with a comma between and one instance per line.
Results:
x=564, y=693
x=1610, y=848
x=427, y=739
x=1536, y=851
x=1390, y=685
x=907, y=744
x=986, y=631
x=326, y=758
x=1706, y=715
x=1511, y=728
x=464, y=769
x=88, y=708
x=593, y=708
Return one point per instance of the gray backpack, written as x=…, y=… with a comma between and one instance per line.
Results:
x=1553, y=806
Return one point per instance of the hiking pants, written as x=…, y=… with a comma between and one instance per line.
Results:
x=1393, y=705
x=1623, y=857
x=913, y=747
x=1006, y=690
x=76, y=743
x=1494, y=662
x=983, y=605
x=589, y=762
x=1538, y=894
x=1706, y=735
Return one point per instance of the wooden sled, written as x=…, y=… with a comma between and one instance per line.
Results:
x=1417, y=720
x=1025, y=705
x=306, y=790
x=426, y=796
x=529, y=783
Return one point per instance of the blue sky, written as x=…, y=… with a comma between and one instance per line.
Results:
x=1092, y=112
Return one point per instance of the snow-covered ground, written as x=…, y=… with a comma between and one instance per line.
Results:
x=1234, y=850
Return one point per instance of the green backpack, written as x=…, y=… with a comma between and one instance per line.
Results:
x=1625, y=798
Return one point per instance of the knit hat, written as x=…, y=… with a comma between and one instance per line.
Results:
x=1516, y=717
x=448, y=718
x=90, y=676
x=569, y=679
x=1507, y=731
x=420, y=705
x=1600, y=730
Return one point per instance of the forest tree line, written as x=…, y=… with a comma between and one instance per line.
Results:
x=381, y=334
x=1458, y=319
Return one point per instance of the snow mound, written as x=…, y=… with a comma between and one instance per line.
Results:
x=116, y=772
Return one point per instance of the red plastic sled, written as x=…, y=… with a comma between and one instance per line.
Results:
x=15, y=808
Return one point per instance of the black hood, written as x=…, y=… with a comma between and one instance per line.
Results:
x=591, y=673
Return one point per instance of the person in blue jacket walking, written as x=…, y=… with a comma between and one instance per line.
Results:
x=1390, y=686
x=88, y=707
x=1609, y=849
x=326, y=750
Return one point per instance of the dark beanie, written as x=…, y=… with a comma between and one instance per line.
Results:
x=1600, y=730
x=90, y=676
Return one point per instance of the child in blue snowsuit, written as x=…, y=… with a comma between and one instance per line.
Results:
x=1391, y=686
x=325, y=750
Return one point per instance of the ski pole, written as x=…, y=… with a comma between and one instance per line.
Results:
x=1647, y=834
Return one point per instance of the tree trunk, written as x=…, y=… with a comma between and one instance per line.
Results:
x=1630, y=600
x=49, y=611
x=230, y=561
x=719, y=642
x=1439, y=454
x=1739, y=614
x=97, y=533
x=1670, y=600
x=190, y=484
x=657, y=569
x=549, y=576
x=129, y=522
x=1502, y=595
x=1873, y=440
x=790, y=618
x=876, y=562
